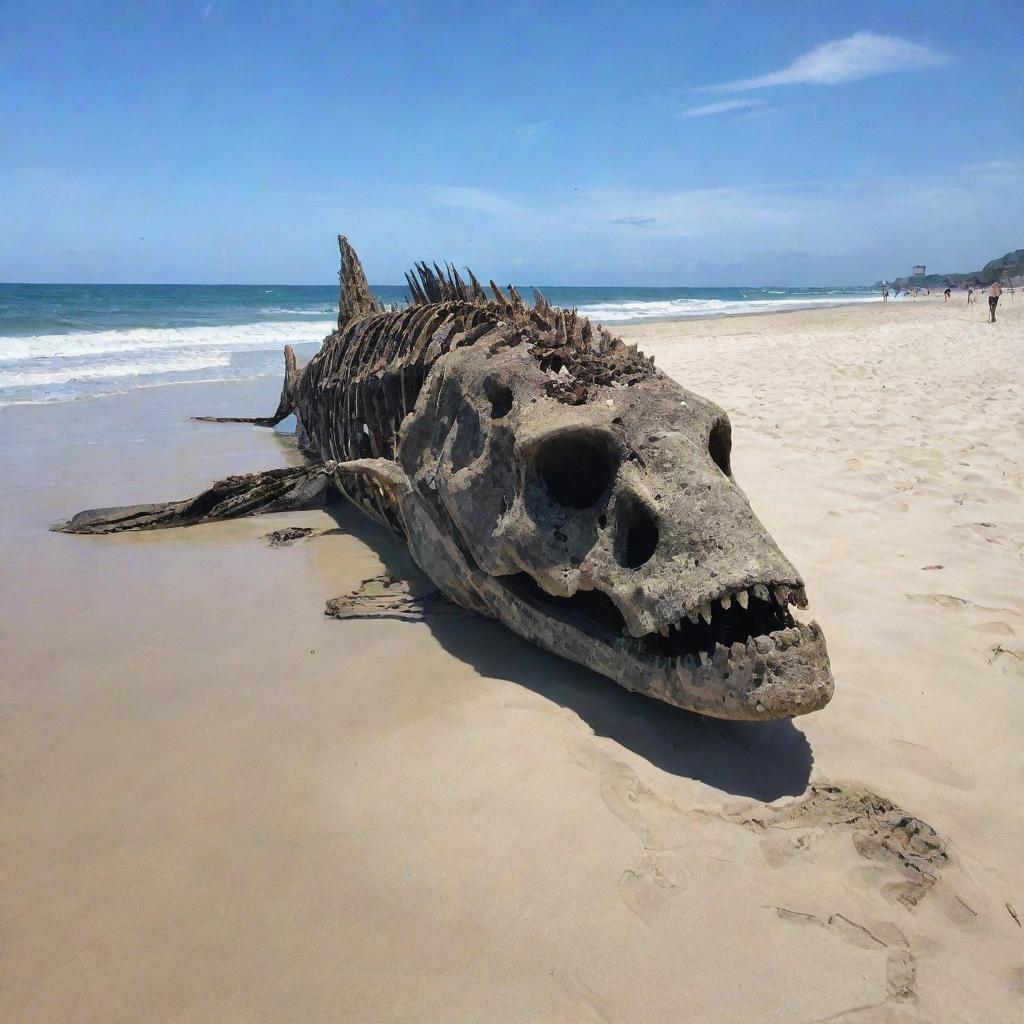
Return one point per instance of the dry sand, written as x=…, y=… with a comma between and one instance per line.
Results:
x=219, y=806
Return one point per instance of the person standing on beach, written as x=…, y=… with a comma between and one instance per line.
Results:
x=993, y=300
x=945, y=295
x=970, y=296
x=885, y=294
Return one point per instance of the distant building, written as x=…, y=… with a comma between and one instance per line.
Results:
x=919, y=270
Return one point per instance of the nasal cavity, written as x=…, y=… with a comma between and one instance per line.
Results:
x=468, y=445
x=637, y=534
x=720, y=445
x=575, y=469
x=500, y=398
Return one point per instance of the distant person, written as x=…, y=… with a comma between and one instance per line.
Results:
x=993, y=300
x=946, y=294
x=885, y=294
x=970, y=296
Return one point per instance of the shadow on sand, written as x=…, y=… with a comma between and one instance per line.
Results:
x=764, y=761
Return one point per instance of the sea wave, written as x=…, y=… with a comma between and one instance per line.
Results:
x=51, y=376
x=319, y=310
x=233, y=337
x=670, y=309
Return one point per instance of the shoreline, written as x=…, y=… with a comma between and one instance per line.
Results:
x=613, y=326
x=223, y=805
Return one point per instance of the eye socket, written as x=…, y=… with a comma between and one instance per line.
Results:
x=720, y=445
x=575, y=469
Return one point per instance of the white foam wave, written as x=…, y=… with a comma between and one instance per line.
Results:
x=51, y=376
x=309, y=311
x=230, y=337
x=616, y=312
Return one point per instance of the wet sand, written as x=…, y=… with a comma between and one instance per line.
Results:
x=219, y=805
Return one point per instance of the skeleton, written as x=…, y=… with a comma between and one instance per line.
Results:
x=545, y=474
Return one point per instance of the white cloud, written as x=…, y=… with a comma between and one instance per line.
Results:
x=881, y=224
x=477, y=200
x=722, y=107
x=997, y=172
x=637, y=221
x=862, y=55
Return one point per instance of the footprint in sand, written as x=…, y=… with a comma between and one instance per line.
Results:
x=900, y=963
x=952, y=601
x=880, y=830
x=929, y=765
x=645, y=888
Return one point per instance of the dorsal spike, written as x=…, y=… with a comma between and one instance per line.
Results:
x=460, y=285
x=561, y=337
x=416, y=291
x=442, y=284
x=479, y=295
x=431, y=288
x=499, y=295
x=539, y=302
x=354, y=296
x=436, y=283
x=449, y=282
x=570, y=329
x=516, y=298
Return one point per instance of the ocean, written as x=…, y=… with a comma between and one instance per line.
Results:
x=63, y=342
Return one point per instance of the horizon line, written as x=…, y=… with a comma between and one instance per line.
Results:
x=272, y=284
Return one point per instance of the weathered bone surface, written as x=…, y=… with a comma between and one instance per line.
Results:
x=273, y=490
x=545, y=474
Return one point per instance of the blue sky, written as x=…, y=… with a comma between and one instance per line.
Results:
x=552, y=143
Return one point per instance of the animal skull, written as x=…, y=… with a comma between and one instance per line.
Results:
x=610, y=531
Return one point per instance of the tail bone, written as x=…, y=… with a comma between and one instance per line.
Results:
x=285, y=407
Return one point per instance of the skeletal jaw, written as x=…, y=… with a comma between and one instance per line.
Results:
x=778, y=596
x=756, y=664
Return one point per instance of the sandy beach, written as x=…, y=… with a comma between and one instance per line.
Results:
x=221, y=806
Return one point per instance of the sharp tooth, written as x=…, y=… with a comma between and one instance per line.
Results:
x=692, y=616
x=705, y=613
x=743, y=599
x=663, y=630
x=801, y=597
x=761, y=592
x=726, y=602
x=781, y=595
